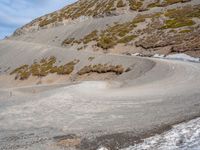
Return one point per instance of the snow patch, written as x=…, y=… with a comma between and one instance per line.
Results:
x=102, y=148
x=159, y=56
x=183, y=57
x=136, y=54
x=181, y=137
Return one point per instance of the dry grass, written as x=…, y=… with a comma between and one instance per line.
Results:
x=43, y=68
x=81, y=8
x=113, y=35
x=155, y=4
x=91, y=58
x=164, y=3
x=185, y=31
x=181, y=17
x=170, y=2
x=46, y=22
x=127, y=39
x=106, y=42
x=68, y=41
x=105, y=68
x=90, y=37
x=177, y=23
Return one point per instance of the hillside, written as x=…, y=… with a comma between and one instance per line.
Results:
x=120, y=26
x=72, y=79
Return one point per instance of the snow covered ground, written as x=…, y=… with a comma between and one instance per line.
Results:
x=185, y=136
x=181, y=56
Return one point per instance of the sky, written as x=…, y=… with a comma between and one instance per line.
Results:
x=16, y=13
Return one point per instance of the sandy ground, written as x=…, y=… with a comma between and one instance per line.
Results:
x=90, y=114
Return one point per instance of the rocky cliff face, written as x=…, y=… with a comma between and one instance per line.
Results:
x=122, y=26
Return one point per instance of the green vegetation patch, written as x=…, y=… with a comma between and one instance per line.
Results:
x=90, y=37
x=165, y=3
x=185, y=31
x=80, y=8
x=91, y=58
x=177, y=23
x=187, y=12
x=106, y=42
x=127, y=39
x=170, y=2
x=102, y=68
x=112, y=35
x=181, y=17
x=68, y=41
x=141, y=18
x=46, y=21
x=135, y=4
x=43, y=68
x=96, y=8
x=120, y=3
x=155, y=4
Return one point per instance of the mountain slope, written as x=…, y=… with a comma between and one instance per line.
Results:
x=68, y=79
x=147, y=27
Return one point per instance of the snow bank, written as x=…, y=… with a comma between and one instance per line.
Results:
x=183, y=136
x=183, y=57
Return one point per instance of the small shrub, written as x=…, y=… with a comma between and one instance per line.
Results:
x=142, y=18
x=187, y=12
x=177, y=23
x=23, y=67
x=135, y=5
x=106, y=42
x=46, y=21
x=123, y=31
x=54, y=69
x=90, y=37
x=170, y=2
x=91, y=58
x=68, y=41
x=120, y=3
x=43, y=68
x=24, y=75
x=76, y=42
x=155, y=4
x=181, y=17
x=127, y=39
x=118, y=69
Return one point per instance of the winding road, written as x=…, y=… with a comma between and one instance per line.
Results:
x=91, y=114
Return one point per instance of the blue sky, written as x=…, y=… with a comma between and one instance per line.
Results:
x=15, y=13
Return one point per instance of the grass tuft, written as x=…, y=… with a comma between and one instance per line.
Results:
x=43, y=68
x=120, y=3
x=135, y=5
x=102, y=68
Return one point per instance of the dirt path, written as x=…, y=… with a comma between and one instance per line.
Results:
x=95, y=113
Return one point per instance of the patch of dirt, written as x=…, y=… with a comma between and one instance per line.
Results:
x=68, y=141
